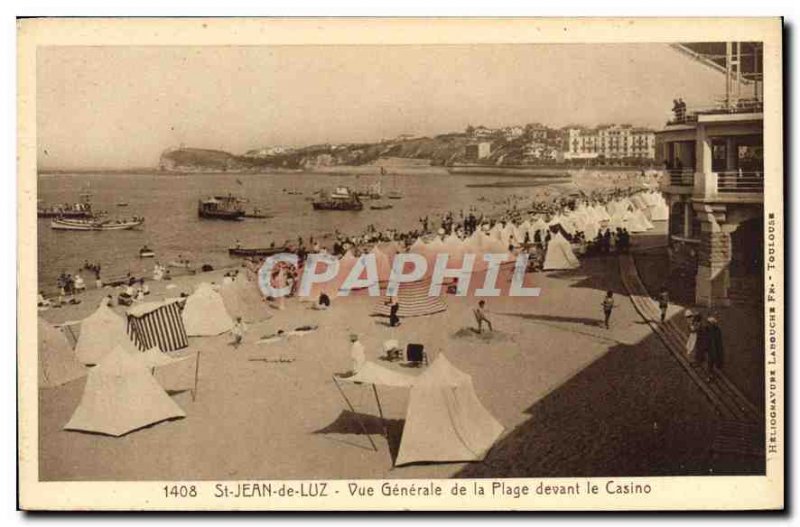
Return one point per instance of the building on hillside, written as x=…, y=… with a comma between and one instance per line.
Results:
x=714, y=179
x=540, y=151
x=611, y=142
x=480, y=150
x=513, y=132
x=483, y=132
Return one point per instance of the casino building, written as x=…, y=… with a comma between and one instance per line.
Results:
x=714, y=178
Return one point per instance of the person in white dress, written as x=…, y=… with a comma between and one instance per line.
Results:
x=357, y=353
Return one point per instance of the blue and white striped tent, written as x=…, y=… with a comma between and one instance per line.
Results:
x=158, y=324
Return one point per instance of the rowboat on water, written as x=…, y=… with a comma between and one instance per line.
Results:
x=256, y=251
x=146, y=252
x=70, y=224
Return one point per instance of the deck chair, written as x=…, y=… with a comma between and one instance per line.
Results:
x=415, y=355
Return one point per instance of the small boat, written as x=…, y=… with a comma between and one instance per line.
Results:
x=146, y=252
x=381, y=206
x=66, y=224
x=342, y=198
x=257, y=213
x=122, y=204
x=256, y=251
x=221, y=208
x=394, y=195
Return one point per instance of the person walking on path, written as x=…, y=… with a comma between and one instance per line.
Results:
x=663, y=303
x=693, y=321
x=701, y=349
x=714, y=359
x=608, y=306
x=480, y=316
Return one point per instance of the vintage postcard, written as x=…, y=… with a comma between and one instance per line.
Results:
x=401, y=264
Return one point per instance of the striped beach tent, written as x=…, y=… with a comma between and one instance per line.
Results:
x=414, y=301
x=158, y=324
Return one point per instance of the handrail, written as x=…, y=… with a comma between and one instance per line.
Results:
x=740, y=182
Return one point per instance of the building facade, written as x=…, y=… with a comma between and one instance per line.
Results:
x=614, y=142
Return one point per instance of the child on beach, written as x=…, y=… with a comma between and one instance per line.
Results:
x=238, y=331
x=608, y=306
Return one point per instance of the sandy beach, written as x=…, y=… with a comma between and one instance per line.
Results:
x=573, y=397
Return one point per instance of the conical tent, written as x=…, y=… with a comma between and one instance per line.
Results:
x=559, y=255
x=101, y=332
x=242, y=298
x=205, y=314
x=57, y=362
x=121, y=396
x=445, y=420
x=414, y=301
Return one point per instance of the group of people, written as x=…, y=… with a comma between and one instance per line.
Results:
x=704, y=347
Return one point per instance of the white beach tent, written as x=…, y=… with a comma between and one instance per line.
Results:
x=101, y=332
x=243, y=298
x=445, y=420
x=559, y=255
x=121, y=396
x=204, y=314
x=659, y=211
x=57, y=362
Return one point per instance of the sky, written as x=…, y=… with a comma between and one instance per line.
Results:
x=118, y=107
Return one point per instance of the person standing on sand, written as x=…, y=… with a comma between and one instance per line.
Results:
x=608, y=306
x=480, y=316
x=357, y=353
x=238, y=331
x=394, y=309
x=663, y=303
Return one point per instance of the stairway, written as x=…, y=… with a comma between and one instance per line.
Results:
x=728, y=401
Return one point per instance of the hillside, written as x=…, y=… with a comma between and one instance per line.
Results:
x=437, y=151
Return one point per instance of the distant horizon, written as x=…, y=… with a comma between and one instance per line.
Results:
x=93, y=114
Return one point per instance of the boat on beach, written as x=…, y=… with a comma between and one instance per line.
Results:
x=256, y=251
x=342, y=198
x=70, y=224
x=221, y=208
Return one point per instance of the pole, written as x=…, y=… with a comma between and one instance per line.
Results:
x=360, y=423
x=196, y=372
x=383, y=421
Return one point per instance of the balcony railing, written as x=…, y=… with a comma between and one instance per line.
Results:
x=737, y=182
x=681, y=177
x=742, y=106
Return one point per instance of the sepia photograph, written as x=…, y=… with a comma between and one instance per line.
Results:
x=491, y=273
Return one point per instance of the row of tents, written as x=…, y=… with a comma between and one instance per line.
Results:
x=125, y=359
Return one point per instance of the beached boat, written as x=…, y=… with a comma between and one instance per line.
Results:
x=256, y=251
x=221, y=208
x=146, y=252
x=65, y=224
x=342, y=198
